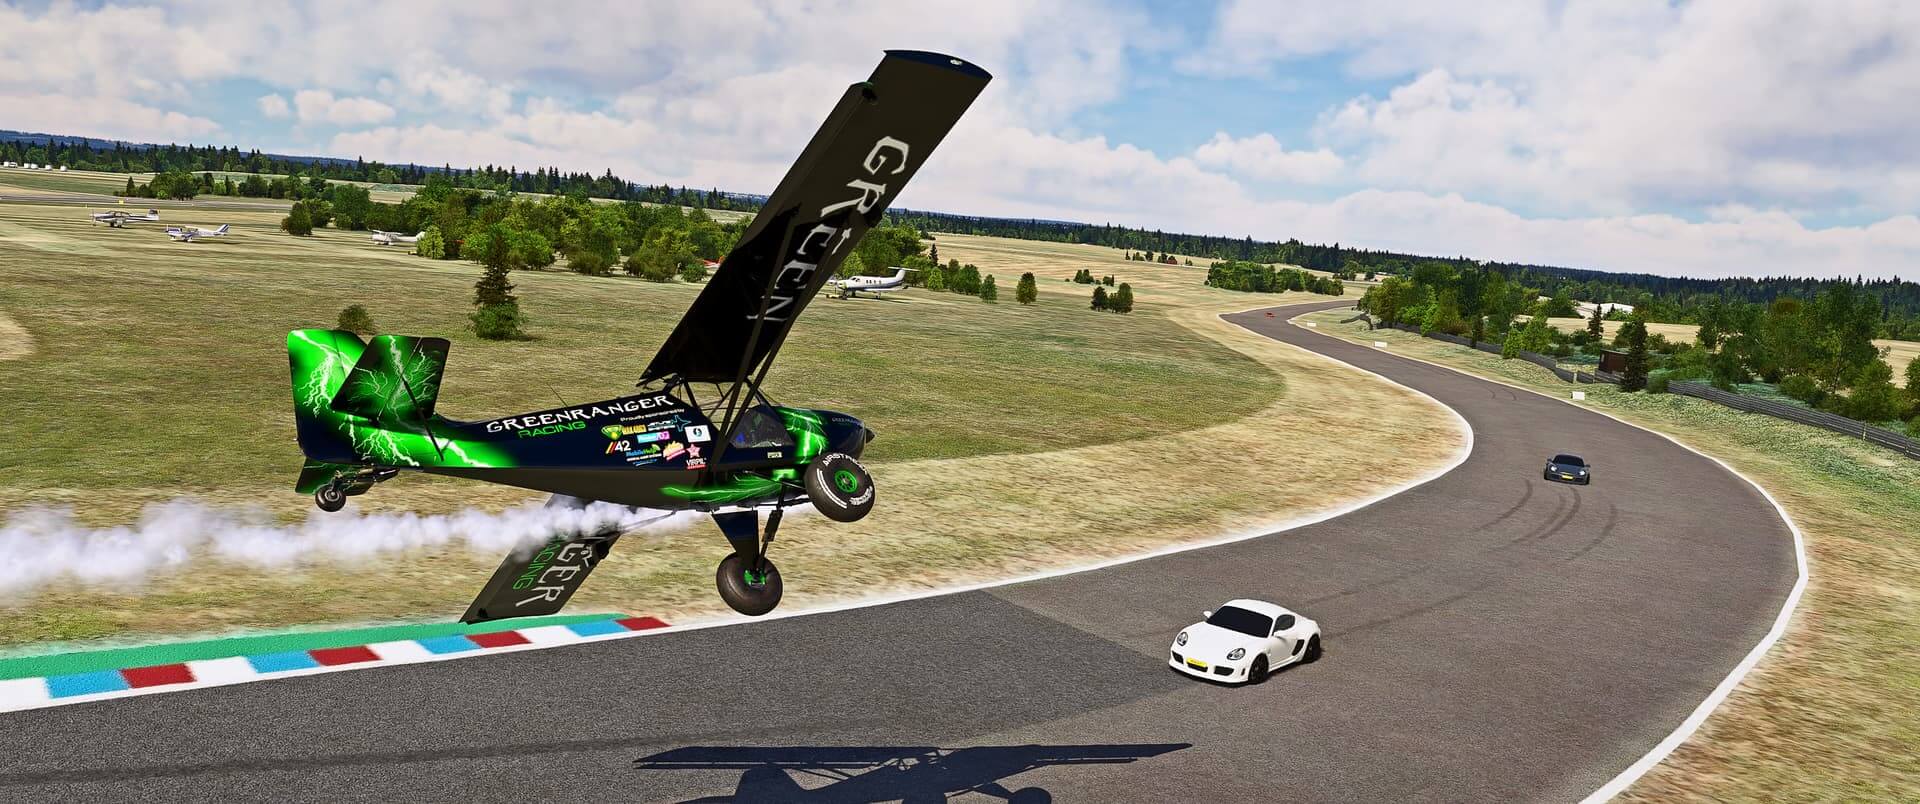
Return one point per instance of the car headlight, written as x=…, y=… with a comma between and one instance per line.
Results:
x=1181, y=639
x=1583, y=471
x=1236, y=654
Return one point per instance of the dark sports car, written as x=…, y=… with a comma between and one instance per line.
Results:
x=1569, y=469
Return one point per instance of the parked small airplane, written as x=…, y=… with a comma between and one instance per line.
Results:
x=188, y=234
x=395, y=238
x=119, y=217
x=870, y=284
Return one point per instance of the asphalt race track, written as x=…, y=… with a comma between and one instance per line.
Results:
x=1490, y=636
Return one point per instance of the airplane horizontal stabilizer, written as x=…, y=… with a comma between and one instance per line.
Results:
x=397, y=379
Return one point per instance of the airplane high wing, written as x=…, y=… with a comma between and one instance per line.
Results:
x=188, y=234
x=874, y=141
x=118, y=218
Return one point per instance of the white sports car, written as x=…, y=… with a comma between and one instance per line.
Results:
x=1244, y=641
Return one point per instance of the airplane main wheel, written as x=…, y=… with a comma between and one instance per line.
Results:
x=330, y=497
x=747, y=590
x=839, y=487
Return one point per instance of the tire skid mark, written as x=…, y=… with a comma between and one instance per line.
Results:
x=1549, y=525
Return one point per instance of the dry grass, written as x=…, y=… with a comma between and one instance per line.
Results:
x=1014, y=438
x=15, y=342
x=1828, y=715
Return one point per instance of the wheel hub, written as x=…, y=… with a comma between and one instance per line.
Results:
x=846, y=481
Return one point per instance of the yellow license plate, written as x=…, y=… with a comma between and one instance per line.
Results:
x=1196, y=664
x=1566, y=477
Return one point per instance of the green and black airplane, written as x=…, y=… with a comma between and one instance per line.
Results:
x=365, y=409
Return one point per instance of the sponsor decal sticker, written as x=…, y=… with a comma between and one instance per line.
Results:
x=546, y=430
x=698, y=433
x=635, y=404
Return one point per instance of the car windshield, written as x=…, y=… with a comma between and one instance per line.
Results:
x=1569, y=460
x=1246, y=622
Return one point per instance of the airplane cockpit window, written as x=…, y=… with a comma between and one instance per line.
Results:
x=761, y=428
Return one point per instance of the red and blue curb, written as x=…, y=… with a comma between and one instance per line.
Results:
x=33, y=691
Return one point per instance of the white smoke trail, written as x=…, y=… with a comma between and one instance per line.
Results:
x=44, y=546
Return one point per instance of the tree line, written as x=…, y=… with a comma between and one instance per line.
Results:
x=1818, y=350
x=1252, y=277
x=1661, y=298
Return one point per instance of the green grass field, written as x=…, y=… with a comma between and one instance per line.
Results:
x=184, y=345
x=1828, y=714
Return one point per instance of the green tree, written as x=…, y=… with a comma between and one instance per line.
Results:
x=1028, y=291
x=298, y=222
x=354, y=318
x=988, y=293
x=1099, y=297
x=1874, y=399
x=1560, y=306
x=1122, y=299
x=665, y=254
x=1596, y=327
x=1635, y=377
x=431, y=245
x=496, y=314
x=351, y=204
x=1913, y=380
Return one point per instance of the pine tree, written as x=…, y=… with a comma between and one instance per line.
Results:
x=933, y=253
x=1122, y=299
x=496, y=314
x=988, y=293
x=1635, y=377
x=1027, y=292
x=1595, y=329
x=1099, y=298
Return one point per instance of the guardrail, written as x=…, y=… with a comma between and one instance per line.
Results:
x=1543, y=361
x=1871, y=434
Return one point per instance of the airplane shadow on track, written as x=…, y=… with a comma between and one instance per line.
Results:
x=862, y=774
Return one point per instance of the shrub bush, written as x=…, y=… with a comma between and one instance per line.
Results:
x=355, y=319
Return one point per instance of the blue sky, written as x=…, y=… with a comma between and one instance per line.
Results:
x=1706, y=138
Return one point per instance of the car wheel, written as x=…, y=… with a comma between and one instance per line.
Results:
x=752, y=595
x=1313, y=649
x=839, y=487
x=1258, y=672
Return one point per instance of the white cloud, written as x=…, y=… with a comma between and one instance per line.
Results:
x=273, y=106
x=1261, y=157
x=1604, y=106
x=1760, y=115
x=320, y=106
x=108, y=117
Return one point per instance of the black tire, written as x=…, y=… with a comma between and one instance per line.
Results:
x=839, y=487
x=330, y=497
x=1258, y=672
x=1313, y=650
x=743, y=596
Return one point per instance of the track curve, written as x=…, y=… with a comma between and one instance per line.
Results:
x=1489, y=636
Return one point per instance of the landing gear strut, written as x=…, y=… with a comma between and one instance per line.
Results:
x=747, y=579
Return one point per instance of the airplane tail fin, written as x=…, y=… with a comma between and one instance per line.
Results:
x=222, y=230
x=320, y=360
x=395, y=380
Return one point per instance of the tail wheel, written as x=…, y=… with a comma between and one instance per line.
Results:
x=330, y=497
x=1258, y=672
x=839, y=487
x=750, y=590
x=1313, y=649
